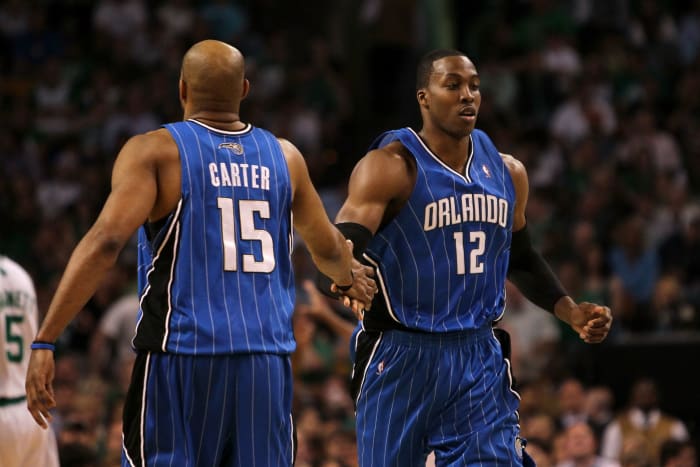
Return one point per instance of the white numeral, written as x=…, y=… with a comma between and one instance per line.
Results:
x=476, y=266
x=246, y=214
x=228, y=234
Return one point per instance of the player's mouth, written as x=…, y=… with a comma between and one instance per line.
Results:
x=468, y=114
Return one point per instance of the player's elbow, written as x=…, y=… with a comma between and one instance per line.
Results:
x=105, y=242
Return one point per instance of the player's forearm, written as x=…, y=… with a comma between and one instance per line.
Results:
x=563, y=309
x=529, y=271
x=360, y=237
x=335, y=262
x=92, y=258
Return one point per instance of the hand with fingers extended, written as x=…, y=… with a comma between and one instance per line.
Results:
x=591, y=322
x=39, y=386
x=358, y=295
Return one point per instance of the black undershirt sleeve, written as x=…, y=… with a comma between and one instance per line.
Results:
x=529, y=271
x=360, y=236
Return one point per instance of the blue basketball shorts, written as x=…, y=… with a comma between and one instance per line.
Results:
x=450, y=393
x=224, y=410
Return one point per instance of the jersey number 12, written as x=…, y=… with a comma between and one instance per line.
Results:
x=476, y=265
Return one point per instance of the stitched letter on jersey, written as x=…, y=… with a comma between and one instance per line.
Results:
x=471, y=207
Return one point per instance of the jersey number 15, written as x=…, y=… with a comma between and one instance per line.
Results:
x=246, y=216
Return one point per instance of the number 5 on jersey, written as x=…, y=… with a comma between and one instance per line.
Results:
x=246, y=216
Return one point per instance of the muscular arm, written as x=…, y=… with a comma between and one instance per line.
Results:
x=522, y=190
x=325, y=243
x=523, y=275
x=133, y=197
x=382, y=179
x=380, y=182
x=533, y=276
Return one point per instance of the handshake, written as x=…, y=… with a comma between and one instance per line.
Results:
x=359, y=294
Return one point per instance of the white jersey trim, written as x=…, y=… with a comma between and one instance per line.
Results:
x=470, y=157
x=175, y=219
x=369, y=363
x=242, y=131
x=382, y=284
x=509, y=372
x=166, y=324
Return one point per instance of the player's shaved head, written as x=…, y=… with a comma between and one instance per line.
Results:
x=213, y=73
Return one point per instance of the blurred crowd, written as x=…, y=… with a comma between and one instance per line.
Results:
x=600, y=99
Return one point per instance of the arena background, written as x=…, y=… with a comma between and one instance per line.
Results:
x=600, y=99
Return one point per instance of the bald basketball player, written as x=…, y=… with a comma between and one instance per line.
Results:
x=212, y=198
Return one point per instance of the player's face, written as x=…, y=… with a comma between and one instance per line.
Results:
x=452, y=98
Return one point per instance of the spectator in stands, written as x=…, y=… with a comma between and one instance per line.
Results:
x=572, y=403
x=675, y=453
x=540, y=452
x=582, y=447
x=634, y=266
x=599, y=408
x=643, y=419
x=641, y=65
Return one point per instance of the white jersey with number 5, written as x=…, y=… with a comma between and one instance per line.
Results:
x=22, y=441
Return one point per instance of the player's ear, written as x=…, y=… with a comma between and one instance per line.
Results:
x=246, y=88
x=182, y=90
x=422, y=98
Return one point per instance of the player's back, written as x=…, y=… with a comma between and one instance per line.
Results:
x=442, y=260
x=216, y=274
x=18, y=325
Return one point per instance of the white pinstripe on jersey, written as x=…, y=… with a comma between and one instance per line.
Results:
x=215, y=307
x=444, y=256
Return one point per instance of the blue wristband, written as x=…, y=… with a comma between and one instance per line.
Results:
x=40, y=345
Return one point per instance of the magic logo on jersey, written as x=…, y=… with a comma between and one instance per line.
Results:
x=237, y=148
x=470, y=207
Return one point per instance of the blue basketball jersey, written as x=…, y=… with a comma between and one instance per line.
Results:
x=216, y=277
x=442, y=261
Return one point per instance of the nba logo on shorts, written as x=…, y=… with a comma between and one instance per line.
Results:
x=380, y=368
x=519, y=445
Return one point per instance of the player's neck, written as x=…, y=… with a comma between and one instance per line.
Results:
x=453, y=151
x=227, y=121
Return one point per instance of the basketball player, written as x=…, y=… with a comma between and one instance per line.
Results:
x=440, y=214
x=22, y=443
x=212, y=382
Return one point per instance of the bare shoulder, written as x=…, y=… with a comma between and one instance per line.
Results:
x=388, y=161
x=396, y=151
x=157, y=145
x=295, y=160
x=516, y=168
x=286, y=144
x=513, y=164
x=387, y=173
x=290, y=151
